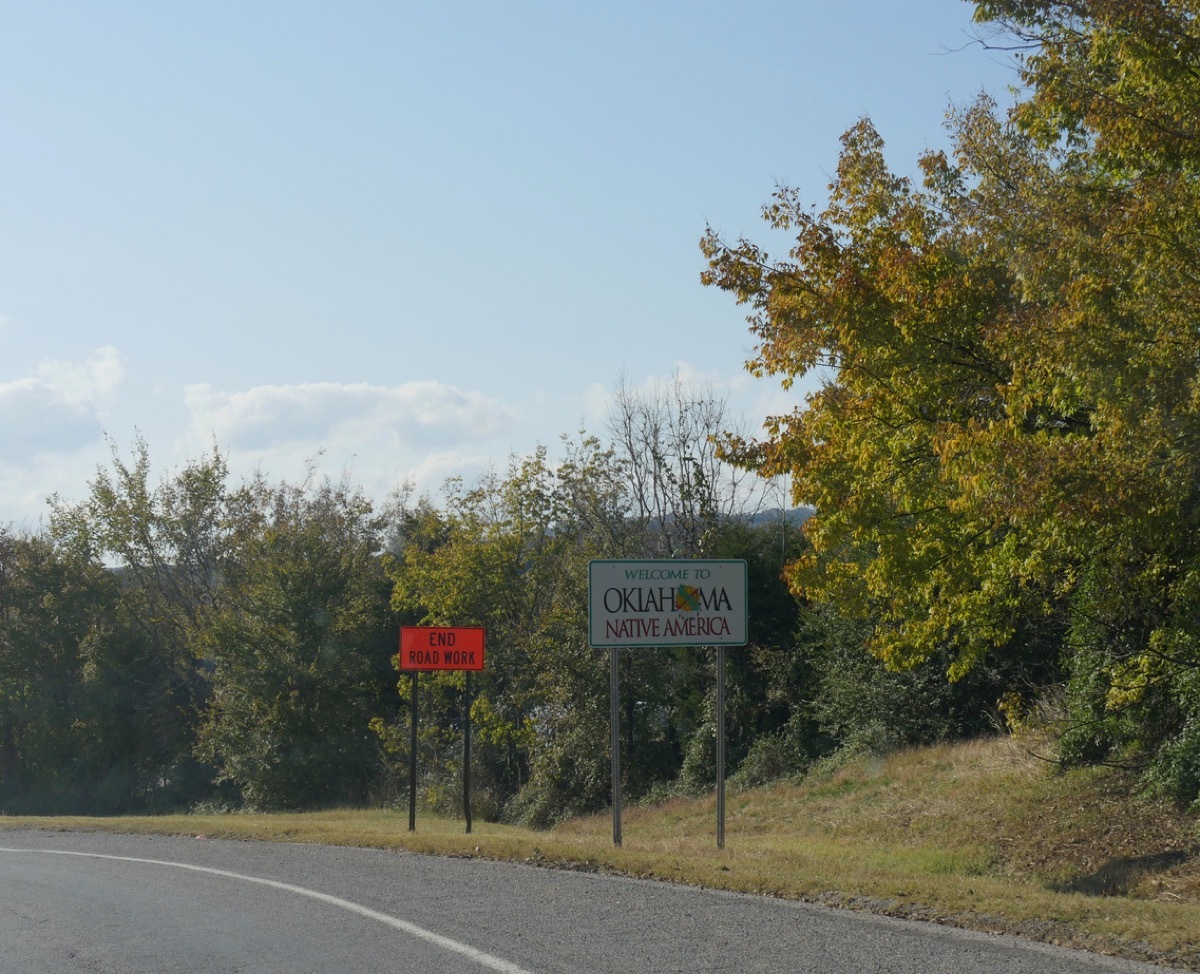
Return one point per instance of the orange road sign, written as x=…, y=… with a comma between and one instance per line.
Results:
x=441, y=647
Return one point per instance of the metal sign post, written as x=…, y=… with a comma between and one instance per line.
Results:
x=720, y=747
x=467, y=752
x=614, y=666
x=412, y=759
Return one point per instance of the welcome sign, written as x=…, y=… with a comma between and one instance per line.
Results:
x=689, y=602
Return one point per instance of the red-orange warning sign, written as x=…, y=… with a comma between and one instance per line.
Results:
x=441, y=647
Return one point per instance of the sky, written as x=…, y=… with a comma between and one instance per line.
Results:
x=398, y=242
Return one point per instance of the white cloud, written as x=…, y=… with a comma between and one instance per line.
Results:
x=58, y=410
x=26, y=487
x=412, y=415
x=33, y=421
x=379, y=437
x=84, y=384
x=597, y=400
x=433, y=470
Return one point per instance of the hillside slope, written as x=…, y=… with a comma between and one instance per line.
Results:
x=987, y=834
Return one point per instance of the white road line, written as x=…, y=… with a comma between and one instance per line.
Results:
x=454, y=946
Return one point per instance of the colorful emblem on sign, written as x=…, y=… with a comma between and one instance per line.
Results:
x=687, y=599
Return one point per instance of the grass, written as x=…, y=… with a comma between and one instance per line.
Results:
x=981, y=835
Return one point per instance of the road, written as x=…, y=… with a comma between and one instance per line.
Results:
x=72, y=903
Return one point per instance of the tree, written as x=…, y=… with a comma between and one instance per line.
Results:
x=83, y=716
x=298, y=645
x=1116, y=77
x=680, y=490
x=1007, y=447
x=683, y=500
x=890, y=289
x=164, y=547
x=1114, y=102
x=46, y=612
x=512, y=557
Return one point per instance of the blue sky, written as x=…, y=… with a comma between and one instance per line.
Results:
x=408, y=240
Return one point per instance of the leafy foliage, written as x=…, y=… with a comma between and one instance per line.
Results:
x=296, y=649
x=1003, y=461
x=88, y=708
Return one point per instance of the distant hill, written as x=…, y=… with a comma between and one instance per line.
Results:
x=795, y=516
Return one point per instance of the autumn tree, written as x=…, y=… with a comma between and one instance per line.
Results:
x=1114, y=103
x=1004, y=460
x=891, y=290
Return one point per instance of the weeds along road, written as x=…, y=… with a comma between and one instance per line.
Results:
x=110, y=904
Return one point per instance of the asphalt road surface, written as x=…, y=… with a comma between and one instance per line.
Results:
x=107, y=904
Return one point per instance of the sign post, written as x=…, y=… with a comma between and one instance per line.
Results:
x=653, y=603
x=412, y=757
x=467, y=751
x=425, y=648
x=614, y=697
x=720, y=747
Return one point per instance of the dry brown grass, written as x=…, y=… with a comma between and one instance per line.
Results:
x=982, y=835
